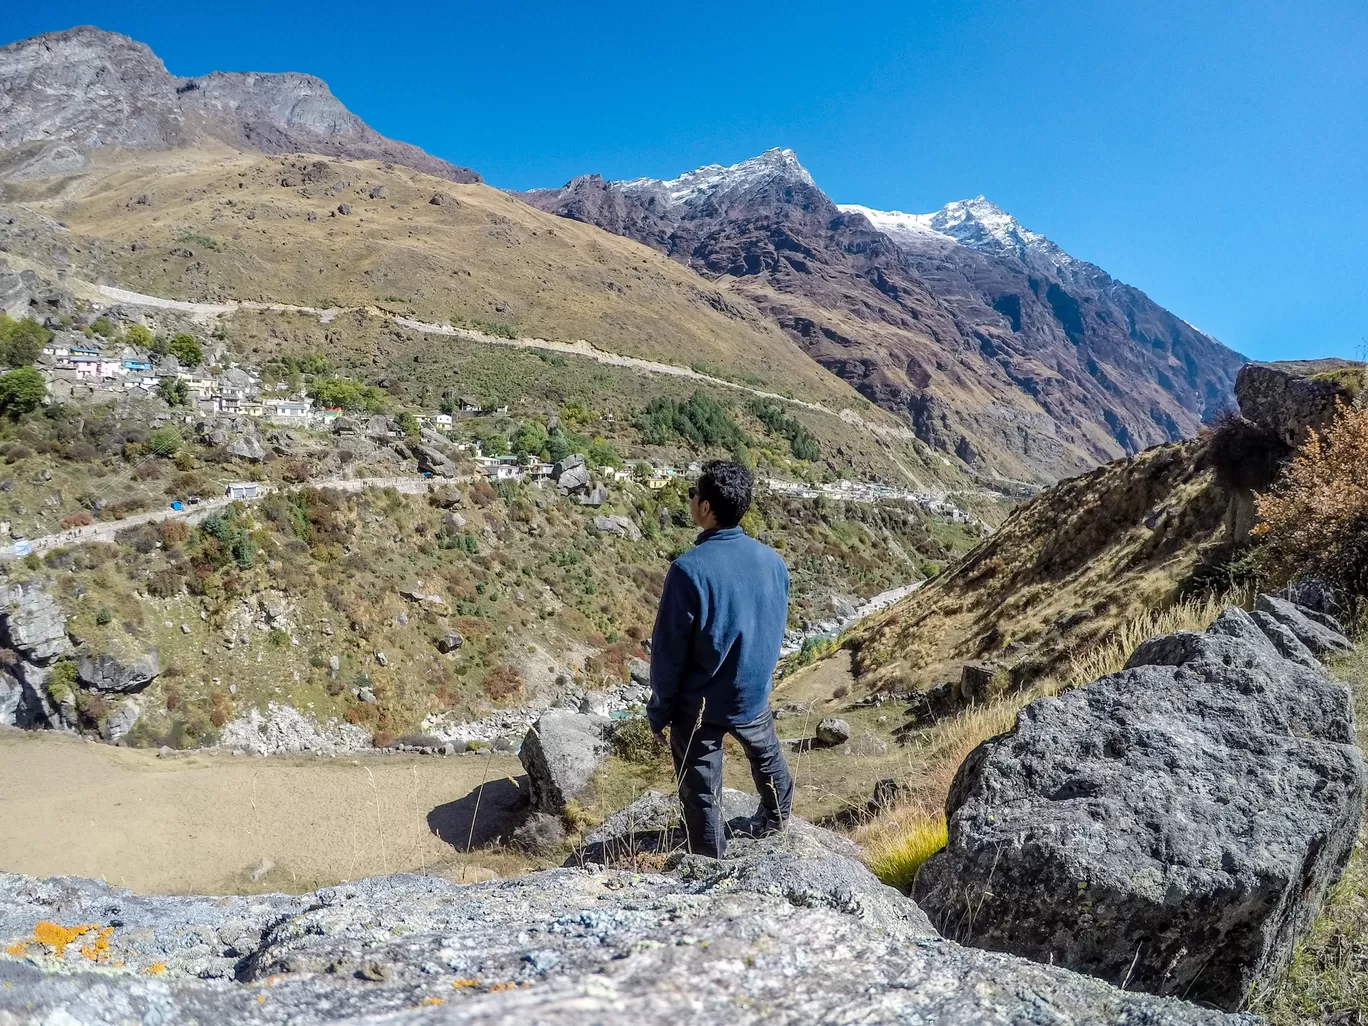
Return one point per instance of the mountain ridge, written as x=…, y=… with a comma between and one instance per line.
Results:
x=998, y=346
x=65, y=94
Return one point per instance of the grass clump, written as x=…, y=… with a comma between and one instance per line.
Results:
x=633, y=742
x=895, y=854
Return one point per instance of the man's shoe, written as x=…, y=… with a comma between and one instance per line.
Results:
x=764, y=824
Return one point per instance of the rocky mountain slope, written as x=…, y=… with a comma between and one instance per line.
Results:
x=1103, y=548
x=66, y=94
x=998, y=347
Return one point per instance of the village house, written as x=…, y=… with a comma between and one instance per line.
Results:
x=289, y=410
x=442, y=420
x=242, y=490
x=469, y=404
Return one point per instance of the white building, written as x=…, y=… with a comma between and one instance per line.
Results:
x=242, y=490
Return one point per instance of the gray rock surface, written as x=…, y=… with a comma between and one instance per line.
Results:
x=248, y=448
x=1173, y=826
x=639, y=671
x=11, y=693
x=619, y=525
x=1289, y=403
x=790, y=932
x=833, y=731
x=1320, y=639
x=68, y=93
x=561, y=752
x=106, y=671
x=34, y=624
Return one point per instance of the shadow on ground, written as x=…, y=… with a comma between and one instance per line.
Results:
x=487, y=813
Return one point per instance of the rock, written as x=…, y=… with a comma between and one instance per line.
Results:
x=639, y=671
x=662, y=517
x=381, y=659
x=437, y=199
x=539, y=833
x=414, y=593
x=311, y=216
x=887, y=794
x=450, y=642
x=833, y=731
x=976, y=682
x=595, y=498
x=33, y=624
x=790, y=925
x=264, y=866
x=431, y=461
x=119, y=722
x=110, y=672
x=1320, y=639
x=344, y=209
x=1314, y=596
x=560, y=753
x=1290, y=405
x=11, y=693
x=573, y=479
x=377, y=192
x=595, y=703
x=248, y=448
x=1287, y=643
x=334, y=664
x=365, y=695
x=1172, y=827
x=453, y=521
x=618, y=525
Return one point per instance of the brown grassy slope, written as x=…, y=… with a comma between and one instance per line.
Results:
x=479, y=257
x=1101, y=548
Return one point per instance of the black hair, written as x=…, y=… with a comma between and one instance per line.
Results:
x=726, y=487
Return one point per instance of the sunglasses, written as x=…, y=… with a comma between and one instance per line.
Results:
x=693, y=492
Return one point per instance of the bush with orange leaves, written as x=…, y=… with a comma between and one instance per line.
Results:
x=1314, y=523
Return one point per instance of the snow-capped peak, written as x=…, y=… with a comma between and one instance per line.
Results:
x=714, y=179
x=976, y=223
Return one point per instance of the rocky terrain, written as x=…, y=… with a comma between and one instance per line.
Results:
x=64, y=95
x=996, y=345
x=1067, y=567
x=789, y=930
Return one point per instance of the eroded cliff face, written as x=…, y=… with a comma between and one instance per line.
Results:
x=1000, y=349
x=66, y=94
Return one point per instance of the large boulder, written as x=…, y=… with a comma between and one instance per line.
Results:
x=1170, y=828
x=1289, y=404
x=248, y=448
x=432, y=461
x=570, y=474
x=792, y=931
x=1321, y=639
x=561, y=753
x=34, y=624
x=110, y=672
x=619, y=525
x=11, y=694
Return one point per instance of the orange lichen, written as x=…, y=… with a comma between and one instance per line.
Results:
x=57, y=937
x=461, y=984
x=18, y=948
x=502, y=986
x=430, y=1000
x=156, y=969
x=98, y=951
x=261, y=999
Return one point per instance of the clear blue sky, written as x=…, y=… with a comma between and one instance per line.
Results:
x=1213, y=154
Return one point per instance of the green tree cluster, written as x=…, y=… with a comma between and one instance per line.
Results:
x=186, y=349
x=21, y=341
x=346, y=394
x=21, y=391
x=175, y=391
x=140, y=336
x=165, y=441
x=700, y=420
x=802, y=443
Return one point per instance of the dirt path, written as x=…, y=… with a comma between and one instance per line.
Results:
x=204, y=822
x=106, y=530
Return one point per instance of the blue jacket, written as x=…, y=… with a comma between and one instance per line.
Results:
x=718, y=632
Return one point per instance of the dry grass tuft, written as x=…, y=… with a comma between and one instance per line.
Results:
x=895, y=854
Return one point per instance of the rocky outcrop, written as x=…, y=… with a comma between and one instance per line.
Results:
x=619, y=525
x=791, y=930
x=561, y=752
x=109, y=672
x=69, y=93
x=34, y=624
x=1287, y=401
x=1170, y=828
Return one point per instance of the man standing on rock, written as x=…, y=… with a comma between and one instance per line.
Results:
x=717, y=637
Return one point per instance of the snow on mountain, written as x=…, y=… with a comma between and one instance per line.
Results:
x=714, y=181
x=975, y=223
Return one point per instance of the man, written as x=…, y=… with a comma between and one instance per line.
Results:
x=716, y=641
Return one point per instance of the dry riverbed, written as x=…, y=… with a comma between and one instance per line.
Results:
x=214, y=823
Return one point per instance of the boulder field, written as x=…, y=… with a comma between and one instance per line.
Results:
x=1171, y=828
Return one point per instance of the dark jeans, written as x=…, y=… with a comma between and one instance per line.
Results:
x=697, y=752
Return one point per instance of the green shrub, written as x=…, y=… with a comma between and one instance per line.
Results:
x=187, y=350
x=21, y=391
x=139, y=335
x=21, y=341
x=61, y=681
x=165, y=441
x=633, y=741
x=104, y=327
x=104, y=616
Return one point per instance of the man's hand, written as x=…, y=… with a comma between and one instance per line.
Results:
x=661, y=739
